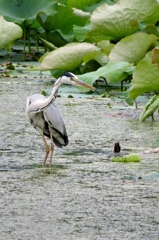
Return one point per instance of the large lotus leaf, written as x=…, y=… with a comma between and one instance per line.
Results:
x=115, y=20
x=146, y=11
x=82, y=14
x=93, y=36
x=87, y=5
x=83, y=33
x=80, y=32
x=98, y=56
x=8, y=33
x=113, y=72
x=80, y=4
x=20, y=10
x=54, y=38
x=132, y=49
x=68, y=57
x=145, y=77
x=106, y=46
x=63, y=19
x=67, y=36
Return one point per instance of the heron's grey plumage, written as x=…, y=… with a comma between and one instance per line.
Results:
x=49, y=121
x=45, y=117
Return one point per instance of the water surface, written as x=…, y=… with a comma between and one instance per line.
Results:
x=86, y=197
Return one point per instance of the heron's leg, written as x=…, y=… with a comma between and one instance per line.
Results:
x=51, y=150
x=47, y=150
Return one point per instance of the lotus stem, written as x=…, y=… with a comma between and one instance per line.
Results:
x=24, y=31
x=29, y=45
x=36, y=42
x=152, y=116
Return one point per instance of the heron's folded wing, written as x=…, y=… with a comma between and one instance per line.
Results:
x=56, y=124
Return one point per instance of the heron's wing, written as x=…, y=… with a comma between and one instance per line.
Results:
x=56, y=125
x=35, y=100
x=48, y=121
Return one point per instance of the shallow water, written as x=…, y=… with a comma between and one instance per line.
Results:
x=86, y=197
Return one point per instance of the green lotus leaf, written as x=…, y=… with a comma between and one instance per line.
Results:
x=98, y=56
x=8, y=32
x=80, y=4
x=106, y=46
x=68, y=57
x=64, y=19
x=53, y=37
x=113, y=72
x=90, y=66
x=145, y=77
x=115, y=21
x=96, y=37
x=48, y=44
x=26, y=10
x=132, y=49
x=151, y=28
x=80, y=13
x=149, y=108
x=81, y=32
x=87, y=5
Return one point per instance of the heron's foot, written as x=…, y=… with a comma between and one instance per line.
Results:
x=46, y=156
x=47, y=149
x=51, y=153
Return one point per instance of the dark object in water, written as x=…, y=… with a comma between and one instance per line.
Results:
x=117, y=147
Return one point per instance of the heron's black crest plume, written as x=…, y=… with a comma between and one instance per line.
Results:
x=68, y=74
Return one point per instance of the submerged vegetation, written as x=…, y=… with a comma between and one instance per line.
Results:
x=113, y=40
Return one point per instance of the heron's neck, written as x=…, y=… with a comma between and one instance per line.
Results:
x=54, y=92
x=40, y=105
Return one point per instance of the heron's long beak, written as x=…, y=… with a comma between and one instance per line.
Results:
x=83, y=84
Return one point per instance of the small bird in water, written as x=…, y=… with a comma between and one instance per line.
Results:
x=45, y=117
x=117, y=147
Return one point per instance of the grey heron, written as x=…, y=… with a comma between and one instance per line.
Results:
x=45, y=117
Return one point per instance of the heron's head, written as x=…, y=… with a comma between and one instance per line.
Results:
x=70, y=78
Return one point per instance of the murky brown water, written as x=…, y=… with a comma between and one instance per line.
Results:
x=88, y=197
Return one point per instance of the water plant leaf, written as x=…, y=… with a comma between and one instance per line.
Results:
x=80, y=4
x=55, y=38
x=145, y=77
x=106, y=46
x=149, y=108
x=151, y=28
x=19, y=11
x=98, y=56
x=48, y=44
x=87, y=5
x=132, y=49
x=113, y=72
x=115, y=20
x=132, y=157
x=9, y=32
x=80, y=32
x=63, y=19
x=68, y=57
